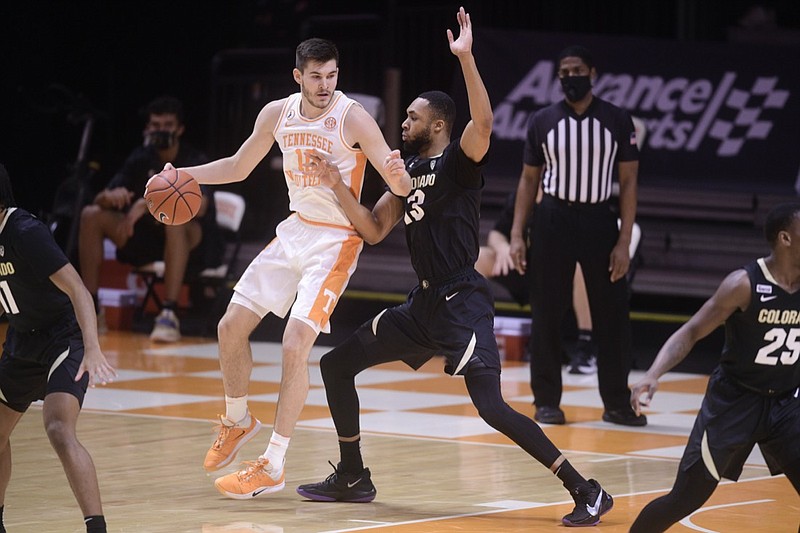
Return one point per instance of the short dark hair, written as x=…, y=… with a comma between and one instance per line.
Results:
x=164, y=105
x=779, y=219
x=317, y=50
x=443, y=107
x=577, y=50
x=6, y=192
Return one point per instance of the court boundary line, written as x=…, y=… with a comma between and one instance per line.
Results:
x=536, y=506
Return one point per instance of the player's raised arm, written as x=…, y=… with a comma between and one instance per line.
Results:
x=477, y=133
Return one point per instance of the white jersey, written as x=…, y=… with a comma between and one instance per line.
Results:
x=295, y=134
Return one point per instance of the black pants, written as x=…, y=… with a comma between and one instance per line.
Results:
x=563, y=234
x=364, y=350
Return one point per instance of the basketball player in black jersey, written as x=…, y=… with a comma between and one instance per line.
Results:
x=51, y=351
x=753, y=396
x=451, y=311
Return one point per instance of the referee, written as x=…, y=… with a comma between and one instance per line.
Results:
x=572, y=150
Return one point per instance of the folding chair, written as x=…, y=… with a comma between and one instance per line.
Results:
x=230, y=212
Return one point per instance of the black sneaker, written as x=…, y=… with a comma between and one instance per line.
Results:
x=591, y=502
x=341, y=487
x=583, y=359
x=624, y=417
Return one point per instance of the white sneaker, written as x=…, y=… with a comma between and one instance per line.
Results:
x=167, y=327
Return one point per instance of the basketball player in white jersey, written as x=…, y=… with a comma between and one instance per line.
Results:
x=309, y=262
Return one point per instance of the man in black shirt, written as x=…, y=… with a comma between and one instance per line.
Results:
x=753, y=396
x=572, y=150
x=51, y=351
x=451, y=311
x=118, y=213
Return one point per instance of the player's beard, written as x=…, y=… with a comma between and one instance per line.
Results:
x=414, y=145
x=314, y=100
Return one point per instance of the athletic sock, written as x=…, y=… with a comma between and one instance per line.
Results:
x=95, y=524
x=236, y=409
x=350, y=452
x=585, y=335
x=276, y=451
x=569, y=476
x=170, y=304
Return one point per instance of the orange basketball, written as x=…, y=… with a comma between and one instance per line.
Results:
x=173, y=197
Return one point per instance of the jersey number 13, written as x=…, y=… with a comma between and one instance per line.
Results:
x=415, y=211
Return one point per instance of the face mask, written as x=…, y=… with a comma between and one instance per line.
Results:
x=576, y=87
x=160, y=140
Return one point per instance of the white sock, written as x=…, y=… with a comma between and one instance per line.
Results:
x=236, y=410
x=276, y=451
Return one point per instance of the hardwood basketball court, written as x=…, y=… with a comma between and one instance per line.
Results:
x=437, y=466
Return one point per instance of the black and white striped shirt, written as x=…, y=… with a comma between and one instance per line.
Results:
x=579, y=153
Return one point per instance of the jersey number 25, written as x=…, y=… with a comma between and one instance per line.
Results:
x=778, y=338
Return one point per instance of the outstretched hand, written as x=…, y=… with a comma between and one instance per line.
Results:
x=97, y=366
x=462, y=45
x=642, y=392
x=394, y=165
x=327, y=173
x=167, y=166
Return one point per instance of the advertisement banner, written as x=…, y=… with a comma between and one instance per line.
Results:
x=714, y=114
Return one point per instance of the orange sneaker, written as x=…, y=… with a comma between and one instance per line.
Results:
x=258, y=477
x=230, y=439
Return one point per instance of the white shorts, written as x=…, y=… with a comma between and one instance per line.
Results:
x=306, y=264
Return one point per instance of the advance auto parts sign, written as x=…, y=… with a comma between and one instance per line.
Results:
x=715, y=113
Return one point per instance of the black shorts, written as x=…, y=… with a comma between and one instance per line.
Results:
x=732, y=420
x=146, y=245
x=454, y=319
x=517, y=285
x=35, y=364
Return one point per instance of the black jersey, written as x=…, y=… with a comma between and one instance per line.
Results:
x=28, y=257
x=579, y=152
x=442, y=212
x=762, y=343
x=144, y=161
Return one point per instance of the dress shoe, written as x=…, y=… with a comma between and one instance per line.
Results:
x=549, y=415
x=624, y=417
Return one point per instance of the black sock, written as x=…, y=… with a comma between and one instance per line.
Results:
x=585, y=335
x=95, y=524
x=569, y=476
x=352, y=463
x=171, y=305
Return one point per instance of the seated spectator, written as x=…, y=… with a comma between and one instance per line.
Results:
x=120, y=214
x=495, y=263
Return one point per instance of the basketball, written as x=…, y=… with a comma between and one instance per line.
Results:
x=173, y=197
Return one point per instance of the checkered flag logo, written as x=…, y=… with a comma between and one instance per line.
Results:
x=747, y=124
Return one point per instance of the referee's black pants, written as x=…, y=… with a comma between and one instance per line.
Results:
x=565, y=233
